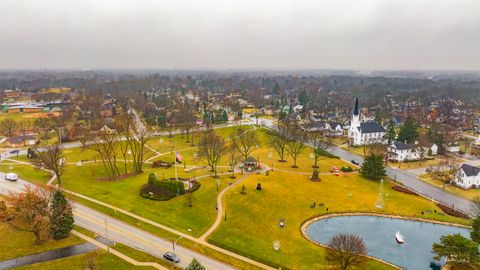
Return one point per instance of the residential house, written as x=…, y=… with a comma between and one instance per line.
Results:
x=400, y=152
x=468, y=177
x=22, y=140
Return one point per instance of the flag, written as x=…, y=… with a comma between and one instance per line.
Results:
x=178, y=157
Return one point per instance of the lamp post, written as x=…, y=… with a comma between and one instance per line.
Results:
x=175, y=242
x=106, y=234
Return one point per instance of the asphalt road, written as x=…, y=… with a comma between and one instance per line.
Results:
x=407, y=178
x=120, y=232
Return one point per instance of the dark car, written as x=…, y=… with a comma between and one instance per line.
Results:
x=355, y=162
x=170, y=256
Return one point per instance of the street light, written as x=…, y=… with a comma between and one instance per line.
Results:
x=175, y=242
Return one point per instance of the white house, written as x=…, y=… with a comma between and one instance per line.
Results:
x=368, y=132
x=298, y=108
x=329, y=128
x=468, y=177
x=399, y=151
x=334, y=129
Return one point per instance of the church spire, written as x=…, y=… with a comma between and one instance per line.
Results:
x=355, y=110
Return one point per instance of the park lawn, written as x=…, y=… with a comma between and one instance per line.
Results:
x=471, y=194
x=26, y=172
x=105, y=261
x=16, y=243
x=266, y=154
x=124, y=194
x=252, y=223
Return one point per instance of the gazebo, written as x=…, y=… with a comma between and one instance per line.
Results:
x=250, y=164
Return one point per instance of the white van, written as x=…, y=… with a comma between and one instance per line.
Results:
x=11, y=176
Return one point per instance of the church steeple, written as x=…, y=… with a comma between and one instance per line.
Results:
x=356, y=110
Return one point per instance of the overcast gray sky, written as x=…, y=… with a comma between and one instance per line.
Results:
x=177, y=34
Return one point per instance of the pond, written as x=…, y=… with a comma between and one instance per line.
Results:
x=379, y=236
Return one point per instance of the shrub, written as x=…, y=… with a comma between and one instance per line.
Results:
x=346, y=169
x=452, y=212
x=156, y=189
x=404, y=190
x=324, y=153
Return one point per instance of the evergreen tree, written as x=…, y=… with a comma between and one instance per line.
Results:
x=276, y=89
x=390, y=133
x=225, y=116
x=62, y=216
x=475, y=233
x=195, y=265
x=373, y=167
x=162, y=120
x=458, y=249
x=378, y=115
x=303, y=98
x=409, y=131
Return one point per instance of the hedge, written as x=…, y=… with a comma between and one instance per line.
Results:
x=404, y=190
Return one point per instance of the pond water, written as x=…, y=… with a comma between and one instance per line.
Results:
x=379, y=236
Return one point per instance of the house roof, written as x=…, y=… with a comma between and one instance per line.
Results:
x=470, y=170
x=371, y=127
x=402, y=146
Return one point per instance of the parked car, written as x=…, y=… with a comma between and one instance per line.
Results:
x=15, y=151
x=11, y=177
x=355, y=162
x=170, y=256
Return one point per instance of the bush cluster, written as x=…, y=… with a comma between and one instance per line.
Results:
x=346, y=169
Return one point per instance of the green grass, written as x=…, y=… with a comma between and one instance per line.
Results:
x=105, y=261
x=252, y=219
x=16, y=243
x=26, y=172
x=471, y=194
x=125, y=194
x=165, y=235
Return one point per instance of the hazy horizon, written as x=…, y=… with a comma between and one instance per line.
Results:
x=248, y=35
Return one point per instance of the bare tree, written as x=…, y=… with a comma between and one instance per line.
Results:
x=278, y=141
x=296, y=143
x=321, y=144
x=29, y=211
x=446, y=171
x=52, y=158
x=43, y=126
x=105, y=145
x=8, y=127
x=232, y=155
x=422, y=147
x=211, y=148
x=24, y=127
x=138, y=149
x=245, y=141
x=346, y=250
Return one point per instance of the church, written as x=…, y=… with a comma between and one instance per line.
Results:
x=367, y=132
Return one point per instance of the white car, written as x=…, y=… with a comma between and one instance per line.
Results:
x=11, y=176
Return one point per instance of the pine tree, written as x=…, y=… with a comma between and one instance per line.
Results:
x=62, y=216
x=195, y=265
x=303, y=98
x=373, y=167
x=475, y=233
x=378, y=116
x=390, y=133
x=409, y=132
